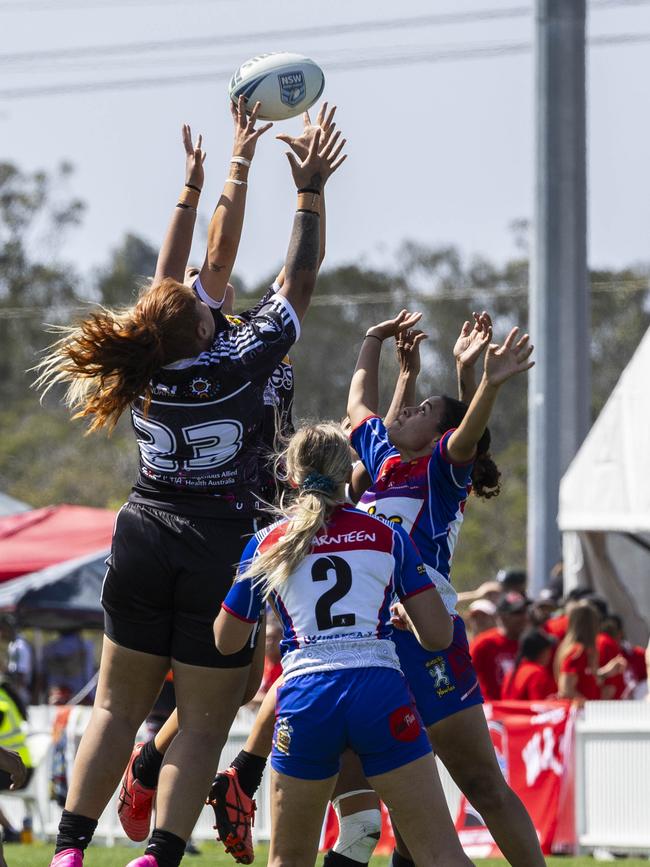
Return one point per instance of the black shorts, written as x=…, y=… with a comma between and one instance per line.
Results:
x=167, y=577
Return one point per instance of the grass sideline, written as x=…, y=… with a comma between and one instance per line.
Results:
x=38, y=855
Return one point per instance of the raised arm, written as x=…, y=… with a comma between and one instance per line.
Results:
x=407, y=348
x=363, y=397
x=303, y=257
x=175, y=249
x=300, y=146
x=471, y=342
x=224, y=231
x=501, y=363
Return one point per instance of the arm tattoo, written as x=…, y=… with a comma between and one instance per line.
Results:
x=304, y=248
x=214, y=266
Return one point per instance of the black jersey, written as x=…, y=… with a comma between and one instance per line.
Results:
x=202, y=442
x=278, y=406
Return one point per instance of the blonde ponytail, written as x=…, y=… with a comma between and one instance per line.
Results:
x=109, y=359
x=318, y=462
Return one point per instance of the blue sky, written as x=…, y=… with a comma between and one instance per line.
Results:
x=438, y=152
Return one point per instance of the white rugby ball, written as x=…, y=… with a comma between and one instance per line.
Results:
x=286, y=84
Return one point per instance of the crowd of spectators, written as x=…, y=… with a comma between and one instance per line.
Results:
x=550, y=647
x=60, y=671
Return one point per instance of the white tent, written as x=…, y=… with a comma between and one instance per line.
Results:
x=604, y=511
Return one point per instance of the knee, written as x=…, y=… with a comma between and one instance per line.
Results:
x=486, y=788
x=359, y=833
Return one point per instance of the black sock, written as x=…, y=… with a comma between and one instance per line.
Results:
x=75, y=832
x=249, y=770
x=146, y=767
x=167, y=848
x=335, y=859
x=397, y=860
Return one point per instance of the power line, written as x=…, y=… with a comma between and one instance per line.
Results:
x=460, y=53
x=437, y=20
x=598, y=287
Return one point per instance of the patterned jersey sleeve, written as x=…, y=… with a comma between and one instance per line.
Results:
x=449, y=475
x=253, y=350
x=410, y=575
x=370, y=441
x=247, y=315
x=244, y=601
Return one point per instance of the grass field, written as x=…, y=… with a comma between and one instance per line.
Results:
x=39, y=855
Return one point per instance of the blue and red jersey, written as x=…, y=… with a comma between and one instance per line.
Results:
x=335, y=607
x=425, y=496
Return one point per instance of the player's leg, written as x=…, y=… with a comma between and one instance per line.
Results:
x=387, y=734
x=127, y=687
x=297, y=810
x=414, y=795
x=232, y=791
x=463, y=744
x=442, y=683
x=209, y=686
x=308, y=740
x=359, y=814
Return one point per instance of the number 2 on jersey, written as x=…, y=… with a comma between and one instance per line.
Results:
x=343, y=574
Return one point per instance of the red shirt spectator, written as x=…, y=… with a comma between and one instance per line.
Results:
x=530, y=682
x=493, y=655
x=557, y=626
x=580, y=664
x=494, y=651
x=609, y=648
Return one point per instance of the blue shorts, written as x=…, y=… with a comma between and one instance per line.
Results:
x=443, y=682
x=370, y=710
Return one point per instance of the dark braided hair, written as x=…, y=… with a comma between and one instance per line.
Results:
x=485, y=474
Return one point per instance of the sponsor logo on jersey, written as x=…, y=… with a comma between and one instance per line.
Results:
x=421, y=569
x=292, y=87
x=437, y=668
x=345, y=538
x=283, y=732
x=404, y=724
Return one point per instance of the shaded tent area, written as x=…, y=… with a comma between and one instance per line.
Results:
x=33, y=540
x=64, y=596
x=52, y=564
x=604, y=511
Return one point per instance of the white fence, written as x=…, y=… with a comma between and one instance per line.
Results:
x=613, y=776
x=612, y=779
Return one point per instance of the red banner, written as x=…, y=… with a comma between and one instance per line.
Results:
x=534, y=747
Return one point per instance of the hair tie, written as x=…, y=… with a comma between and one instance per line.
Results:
x=320, y=483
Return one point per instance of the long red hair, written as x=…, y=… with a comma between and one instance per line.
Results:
x=109, y=358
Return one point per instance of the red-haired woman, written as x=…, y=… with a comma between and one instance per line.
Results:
x=195, y=388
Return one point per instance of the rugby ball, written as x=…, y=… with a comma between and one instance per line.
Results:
x=286, y=84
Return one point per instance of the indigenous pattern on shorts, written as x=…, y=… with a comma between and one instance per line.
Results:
x=425, y=496
x=335, y=607
x=203, y=433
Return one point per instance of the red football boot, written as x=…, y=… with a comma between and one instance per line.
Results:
x=234, y=814
x=135, y=802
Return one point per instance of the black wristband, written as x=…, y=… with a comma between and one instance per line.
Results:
x=375, y=336
x=309, y=190
x=307, y=211
x=185, y=207
x=192, y=187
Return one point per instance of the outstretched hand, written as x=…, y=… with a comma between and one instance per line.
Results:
x=407, y=348
x=392, y=327
x=325, y=122
x=322, y=158
x=473, y=339
x=509, y=359
x=246, y=136
x=194, y=158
